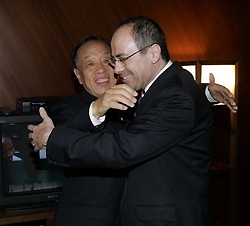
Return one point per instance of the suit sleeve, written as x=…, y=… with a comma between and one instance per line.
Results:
x=59, y=111
x=168, y=119
x=81, y=121
x=71, y=115
x=203, y=86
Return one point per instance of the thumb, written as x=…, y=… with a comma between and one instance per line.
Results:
x=211, y=78
x=43, y=113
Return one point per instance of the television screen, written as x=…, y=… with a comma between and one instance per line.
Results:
x=26, y=177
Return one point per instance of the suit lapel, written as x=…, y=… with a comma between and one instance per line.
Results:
x=86, y=97
x=167, y=78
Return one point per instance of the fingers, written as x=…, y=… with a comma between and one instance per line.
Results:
x=232, y=106
x=123, y=91
x=211, y=78
x=31, y=127
x=40, y=133
x=233, y=109
x=122, y=101
x=36, y=148
x=30, y=135
x=43, y=113
x=230, y=103
x=227, y=93
x=127, y=88
x=120, y=96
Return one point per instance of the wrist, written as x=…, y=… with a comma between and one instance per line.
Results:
x=95, y=111
x=209, y=95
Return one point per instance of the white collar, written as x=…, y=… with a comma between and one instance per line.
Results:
x=162, y=70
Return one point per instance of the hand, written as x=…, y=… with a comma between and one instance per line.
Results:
x=119, y=97
x=222, y=94
x=41, y=132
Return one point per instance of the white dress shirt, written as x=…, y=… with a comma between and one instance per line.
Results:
x=97, y=122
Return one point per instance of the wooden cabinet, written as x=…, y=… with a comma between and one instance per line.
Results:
x=223, y=170
x=16, y=218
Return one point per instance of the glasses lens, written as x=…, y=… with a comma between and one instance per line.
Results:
x=121, y=61
x=112, y=61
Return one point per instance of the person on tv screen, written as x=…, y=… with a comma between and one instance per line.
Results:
x=13, y=168
x=8, y=150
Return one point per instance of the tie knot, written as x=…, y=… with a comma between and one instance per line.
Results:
x=142, y=93
x=141, y=96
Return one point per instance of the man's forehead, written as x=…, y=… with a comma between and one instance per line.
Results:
x=122, y=41
x=93, y=47
x=123, y=33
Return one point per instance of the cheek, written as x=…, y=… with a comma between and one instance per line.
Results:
x=111, y=73
x=87, y=77
x=135, y=70
x=141, y=71
x=88, y=82
x=112, y=81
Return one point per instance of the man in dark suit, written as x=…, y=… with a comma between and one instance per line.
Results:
x=167, y=146
x=90, y=196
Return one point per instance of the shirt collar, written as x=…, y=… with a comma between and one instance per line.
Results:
x=162, y=70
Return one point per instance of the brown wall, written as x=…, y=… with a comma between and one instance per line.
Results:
x=36, y=37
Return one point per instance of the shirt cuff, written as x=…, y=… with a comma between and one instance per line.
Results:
x=94, y=120
x=209, y=96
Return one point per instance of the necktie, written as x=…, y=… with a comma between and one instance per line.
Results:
x=140, y=98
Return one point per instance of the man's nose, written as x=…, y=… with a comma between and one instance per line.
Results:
x=118, y=67
x=100, y=68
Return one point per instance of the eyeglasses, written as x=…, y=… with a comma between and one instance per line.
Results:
x=122, y=60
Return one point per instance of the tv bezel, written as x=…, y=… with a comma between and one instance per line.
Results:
x=24, y=201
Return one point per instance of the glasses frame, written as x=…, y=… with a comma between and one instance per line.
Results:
x=113, y=59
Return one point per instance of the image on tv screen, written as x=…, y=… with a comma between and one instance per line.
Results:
x=24, y=170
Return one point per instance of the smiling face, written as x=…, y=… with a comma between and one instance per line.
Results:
x=93, y=70
x=140, y=69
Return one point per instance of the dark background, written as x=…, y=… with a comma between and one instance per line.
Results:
x=36, y=37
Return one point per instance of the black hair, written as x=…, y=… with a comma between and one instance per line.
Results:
x=146, y=31
x=84, y=40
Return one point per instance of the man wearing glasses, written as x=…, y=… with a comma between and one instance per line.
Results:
x=167, y=146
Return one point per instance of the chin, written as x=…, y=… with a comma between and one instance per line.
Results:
x=130, y=84
x=102, y=90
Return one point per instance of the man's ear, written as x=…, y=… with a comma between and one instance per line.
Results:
x=156, y=53
x=78, y=75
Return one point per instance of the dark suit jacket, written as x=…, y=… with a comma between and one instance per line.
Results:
x=168, y=146
x=90, y=196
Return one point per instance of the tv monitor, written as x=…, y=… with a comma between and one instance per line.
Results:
x=27, y=180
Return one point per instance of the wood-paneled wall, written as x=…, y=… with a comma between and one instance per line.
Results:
x=36, y=37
